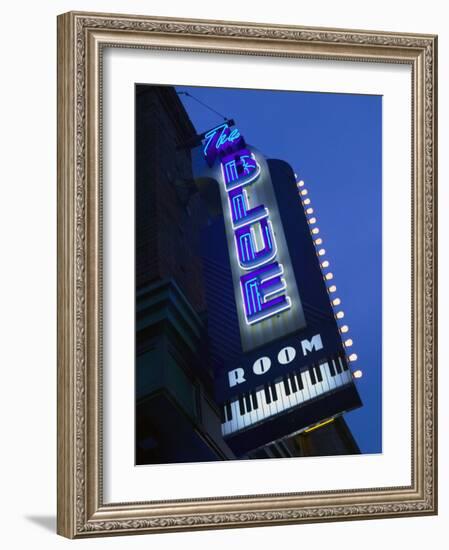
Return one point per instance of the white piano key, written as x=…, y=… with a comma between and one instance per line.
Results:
x=229, y=423
x=325, y=376
x=236, y=424
x=278, y=402
x=300, y=396
x=281, y=402
x=306, y=387
x=266, y=411
x=253, y=413
x=308, y=382
x=338, y=377
x=259, y=411
x=273, y=406
x=346, y=374
x=288, y=399
x=243, y=417
x=330, y=378
x=271, y=409
x=316, y=386
x=292, y=397
x=282, y=395
x=274, y=402
x=319, y=389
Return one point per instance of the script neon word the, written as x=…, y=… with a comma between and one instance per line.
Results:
x=219, y=140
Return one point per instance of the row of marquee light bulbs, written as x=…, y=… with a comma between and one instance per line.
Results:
x=328, y=276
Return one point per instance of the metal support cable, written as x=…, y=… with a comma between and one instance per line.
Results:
x=204, y=104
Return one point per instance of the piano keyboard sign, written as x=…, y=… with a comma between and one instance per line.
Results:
x=293, y=389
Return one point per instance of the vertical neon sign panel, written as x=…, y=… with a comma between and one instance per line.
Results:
x=267, y=298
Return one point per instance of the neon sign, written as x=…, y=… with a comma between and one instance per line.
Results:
x=219, y=139
x=262, y=286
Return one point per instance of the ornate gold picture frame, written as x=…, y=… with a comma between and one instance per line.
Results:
x=82, y=509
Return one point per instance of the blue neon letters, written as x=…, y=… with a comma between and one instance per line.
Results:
x=261, y=284
x=258, y=286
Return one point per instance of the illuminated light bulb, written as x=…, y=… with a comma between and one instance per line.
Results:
x=329, y=276
x=353, y=357
x=339, y=315
x=348, y=343
x=306, y=201
x=357, y=373
x=309, y=211
x=325, y=263
x=304, y=192
x=344, y=328
x=315, y=231
x=321, y=252
x=318, y=241
x=332, y=288
x=300, y=183
x=336, y=302
x=312, y=220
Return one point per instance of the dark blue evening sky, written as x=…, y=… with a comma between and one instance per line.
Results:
x=333, y=142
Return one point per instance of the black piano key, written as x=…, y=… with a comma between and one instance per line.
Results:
x=274, y=393
x=286, y=386
x=345, y=364
x=299, y=380
x=318, y=374
x=254, y=400
x=228, y=410
x=241, y=405
x=266, y=389
x=293, y=382
x=222, y=414
x=247, y=402
x=312, y=375
x=331, y=367
x=337, y=366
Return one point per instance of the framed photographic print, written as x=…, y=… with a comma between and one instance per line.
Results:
x=246, y=274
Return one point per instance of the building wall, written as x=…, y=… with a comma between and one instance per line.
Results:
x=177, y=419
x=168, y=211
